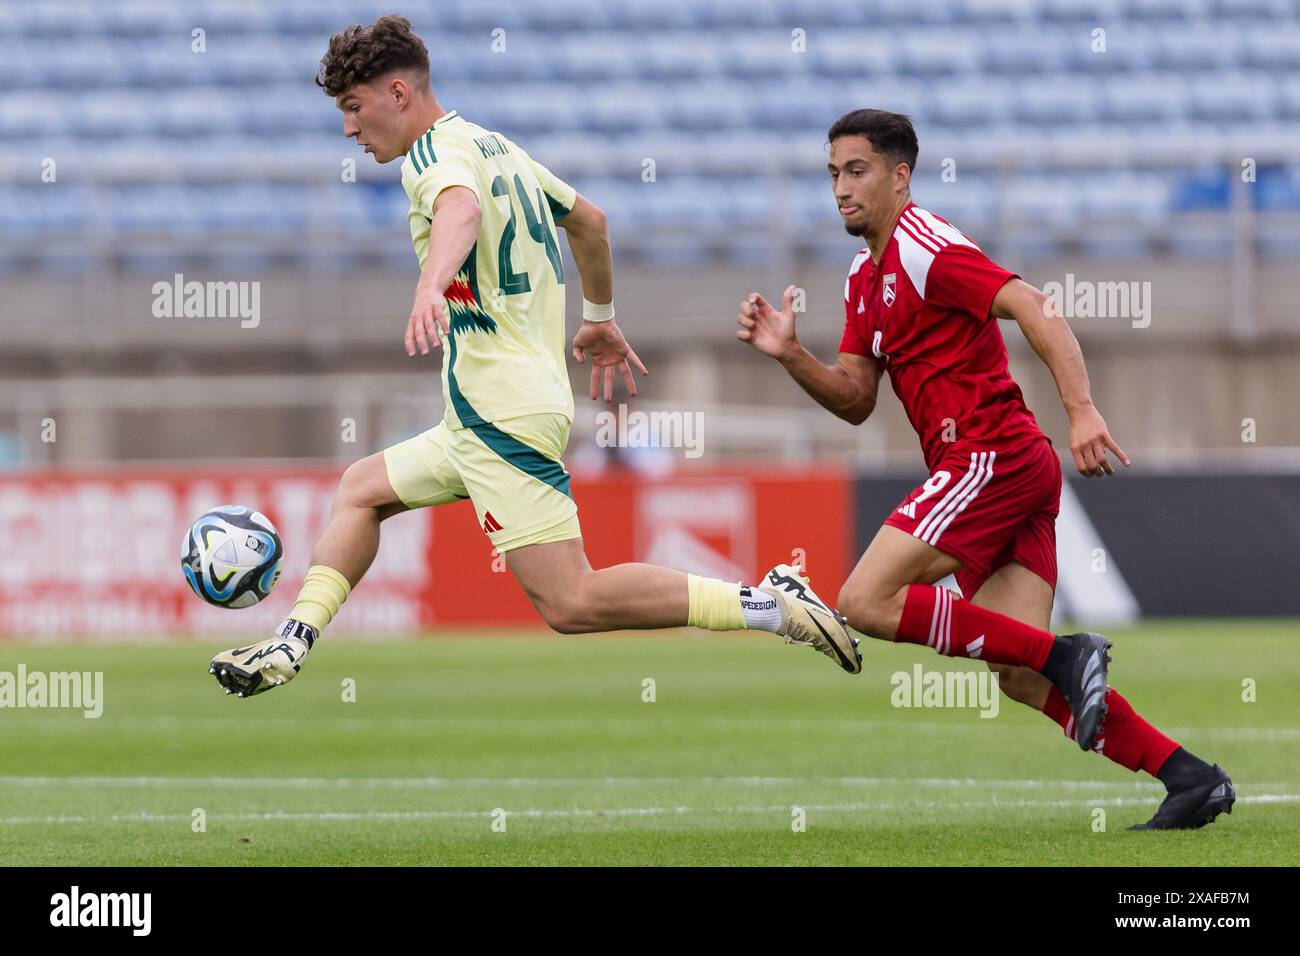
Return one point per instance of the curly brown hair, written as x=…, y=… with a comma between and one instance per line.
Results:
x=360, y=53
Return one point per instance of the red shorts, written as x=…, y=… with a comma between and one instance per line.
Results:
x=988, y=507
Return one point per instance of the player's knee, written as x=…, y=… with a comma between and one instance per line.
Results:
x=361, y=485
x=563, y=613
x=865, y=611
x=563, y=618
x=351, y=490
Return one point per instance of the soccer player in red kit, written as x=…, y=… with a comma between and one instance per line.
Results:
x=920, y=303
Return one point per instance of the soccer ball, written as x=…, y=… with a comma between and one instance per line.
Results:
x=231, y=556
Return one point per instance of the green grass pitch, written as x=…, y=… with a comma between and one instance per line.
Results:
x=554, y=731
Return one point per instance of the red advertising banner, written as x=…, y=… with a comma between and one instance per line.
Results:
x=98, y=554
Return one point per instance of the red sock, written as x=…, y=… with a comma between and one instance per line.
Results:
x=934, y=616
x=1125, y=736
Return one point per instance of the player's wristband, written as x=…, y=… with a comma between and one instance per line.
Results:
x=597, y=313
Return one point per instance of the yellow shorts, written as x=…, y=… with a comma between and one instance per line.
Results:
x=511, y=471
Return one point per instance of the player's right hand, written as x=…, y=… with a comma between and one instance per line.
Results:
x=762, y=326
x=259, y=667
x=1090, y=440
x=428, y=314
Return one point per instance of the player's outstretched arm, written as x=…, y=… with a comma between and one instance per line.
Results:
x=600, y=338
x=1051, y=337
x=847, y=388
x=454, y=228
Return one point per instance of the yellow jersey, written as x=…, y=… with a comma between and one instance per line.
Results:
x=505, y=356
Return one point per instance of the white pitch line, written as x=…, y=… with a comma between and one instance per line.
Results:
x=345, y=816
x=551, y=725
x=437, y=783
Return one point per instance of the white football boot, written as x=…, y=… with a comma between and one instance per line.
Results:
x=807, y=619
x=255, y=669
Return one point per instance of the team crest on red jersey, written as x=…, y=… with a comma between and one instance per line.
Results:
x=890, y=284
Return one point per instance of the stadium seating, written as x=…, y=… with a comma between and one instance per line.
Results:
x=721, y=94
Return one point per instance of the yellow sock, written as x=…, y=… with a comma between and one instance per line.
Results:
x=713, y=604
x=323, y=590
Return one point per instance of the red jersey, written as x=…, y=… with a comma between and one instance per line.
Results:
x=923, y=312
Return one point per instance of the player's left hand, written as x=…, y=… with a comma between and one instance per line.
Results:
x=604, y=342
x=430, y=307
x=1089, y=441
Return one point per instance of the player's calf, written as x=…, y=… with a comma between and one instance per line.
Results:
x=1022, y=685
x=1078, y=664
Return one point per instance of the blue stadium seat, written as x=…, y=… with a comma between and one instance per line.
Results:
x=86, y=64
x=115, y=113
x=970, y=203
x=295, y=108
x=483, y=16
x=324, y=17
x=963, y=103
x=144, y=18
x=1250, y=10
x=1289, y=97
x=812, y=202
x=913, y=97
x=676, y=55
x=594, y=87
x=1058, y=100
x=1124, y=197
x=1278, y=187
x=1052, y=201
x=1273, y=47
x=852, y=53
x=1228, y=96
x=1123, y=48
x=169, y=209
x=1078, y=12
x=996, y=14
x=712, y=105
x=225, y=20
x=519, y=113
x=752, y=54
x=1144, y=97
x=939, y=52
x=732, y=14
x=201, y=111
x=794, y=104
x=1023, y=50
x=563, y=16
x=619, y=108
x=38, y=115
x=1165, y=9
x=1200, y=190
x=1198, y=48
x=593, y=57
x=59, y=20
x=660, y=15
x=166, y=64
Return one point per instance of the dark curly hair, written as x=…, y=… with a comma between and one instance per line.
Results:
x=360, y=53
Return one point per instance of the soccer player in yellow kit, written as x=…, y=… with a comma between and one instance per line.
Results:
x=491, y=297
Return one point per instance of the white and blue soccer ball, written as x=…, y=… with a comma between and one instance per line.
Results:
x=231, y=556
